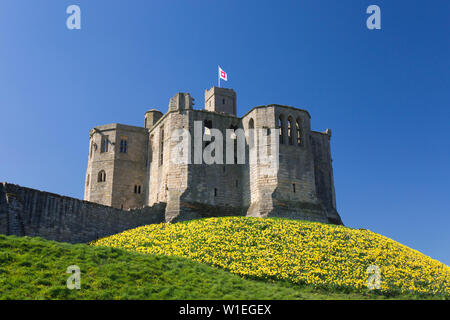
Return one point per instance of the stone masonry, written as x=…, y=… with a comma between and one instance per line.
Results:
x=130, y=167
x=29, y=212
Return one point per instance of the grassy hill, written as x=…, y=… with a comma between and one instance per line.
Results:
x=303, y=253
x=33, y=268
x=221, y=258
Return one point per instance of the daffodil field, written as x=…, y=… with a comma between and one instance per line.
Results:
x=301, y=252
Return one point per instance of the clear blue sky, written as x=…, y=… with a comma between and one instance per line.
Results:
x=384, y=93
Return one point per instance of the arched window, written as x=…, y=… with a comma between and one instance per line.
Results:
x=101, y=176
x=291, y=130
x=299, y=131
x=281, y=127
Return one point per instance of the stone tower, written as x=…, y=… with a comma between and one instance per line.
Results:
x=151, y=117
x=116, y=173
x=220, y=100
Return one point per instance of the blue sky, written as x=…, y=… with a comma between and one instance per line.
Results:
x=384, y=93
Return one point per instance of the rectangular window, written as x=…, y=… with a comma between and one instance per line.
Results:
x=104, y=144
x=293, y=187
x=123, y=145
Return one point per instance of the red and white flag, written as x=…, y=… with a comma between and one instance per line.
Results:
x=222, y=74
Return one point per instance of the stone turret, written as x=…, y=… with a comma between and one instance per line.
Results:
x=181, y=101
x=151, y=117
x=220, y=100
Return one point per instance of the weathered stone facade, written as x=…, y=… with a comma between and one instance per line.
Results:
x=131, y=167
x=29, y=212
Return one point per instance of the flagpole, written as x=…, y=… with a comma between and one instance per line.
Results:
x=218, y=73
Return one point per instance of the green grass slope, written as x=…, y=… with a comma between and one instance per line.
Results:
x=316, y=254
x=33, y=268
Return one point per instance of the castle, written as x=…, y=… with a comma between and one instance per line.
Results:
x=130, y=167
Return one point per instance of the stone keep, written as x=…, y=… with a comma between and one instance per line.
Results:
x=130, y=167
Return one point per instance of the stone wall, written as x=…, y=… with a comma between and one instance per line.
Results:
x=261, y=181
x=214, y=184
x=30, y=212
x=130, y=170
x=323, y=173
x=299, y=184
x=100, y=160
x=166, y=179
x=218, y=185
